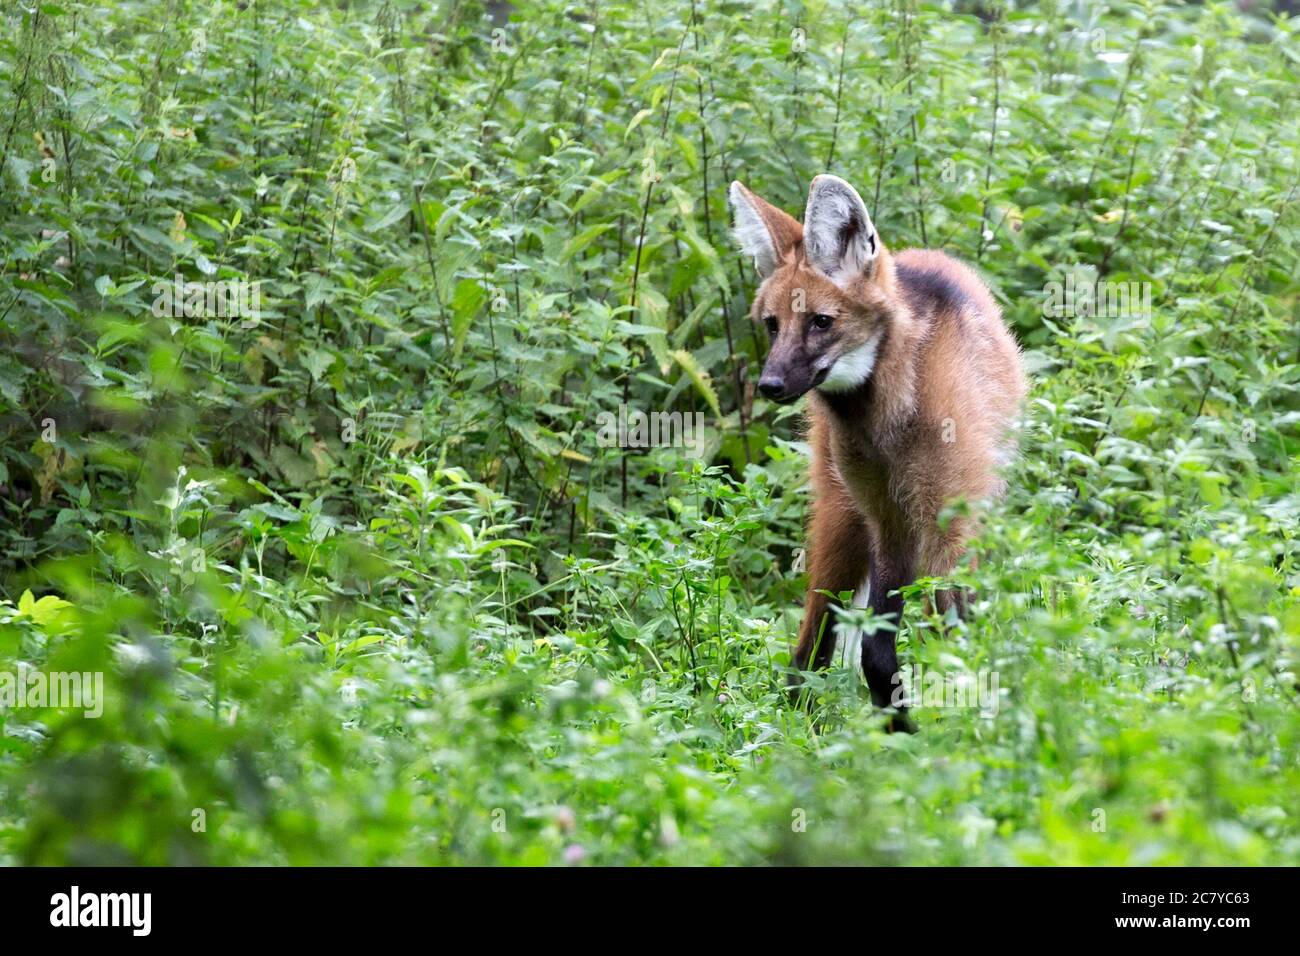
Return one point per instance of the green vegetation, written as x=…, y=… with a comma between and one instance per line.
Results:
x=366, y=587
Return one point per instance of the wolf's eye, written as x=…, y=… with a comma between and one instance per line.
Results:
x=821, y=322
x=772, y=325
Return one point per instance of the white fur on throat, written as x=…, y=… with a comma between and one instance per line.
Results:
x=852, y=368
x=851, y=637
x=751, y=233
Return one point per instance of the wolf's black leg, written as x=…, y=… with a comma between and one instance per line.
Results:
x=879, y=653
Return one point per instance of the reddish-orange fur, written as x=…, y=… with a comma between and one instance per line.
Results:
x=927, y=427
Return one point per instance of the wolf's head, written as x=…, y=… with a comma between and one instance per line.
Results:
x=826, y=295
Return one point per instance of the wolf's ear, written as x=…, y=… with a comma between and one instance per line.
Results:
x=762, y=230
x=839, y=238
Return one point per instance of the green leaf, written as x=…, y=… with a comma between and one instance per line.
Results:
x=654, y=313
x=43, y=612
x=465, y=304
x=636, y=121
x=699, y=378
x=317, y=362
x=388, y=218
x=583, y=239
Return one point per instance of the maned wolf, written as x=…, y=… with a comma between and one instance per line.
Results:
x=914, y=381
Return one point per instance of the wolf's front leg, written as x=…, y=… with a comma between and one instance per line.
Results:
x=892, y=568
x=880, y=650
x=837, y=558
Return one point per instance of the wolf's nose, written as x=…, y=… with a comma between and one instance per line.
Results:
x=771, y=387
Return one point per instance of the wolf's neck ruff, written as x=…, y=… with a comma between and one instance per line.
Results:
x=851, y=370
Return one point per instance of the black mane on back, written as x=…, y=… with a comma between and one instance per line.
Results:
x=930, y=291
